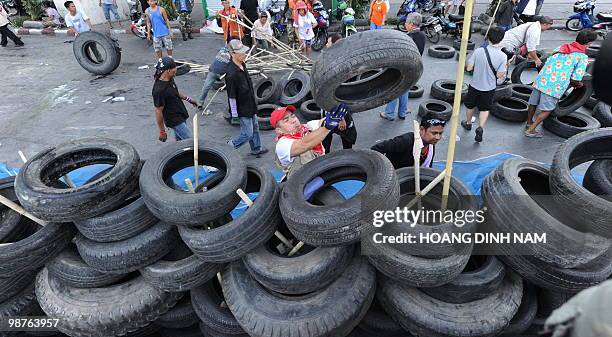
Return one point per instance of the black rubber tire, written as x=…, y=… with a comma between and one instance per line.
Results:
x=593, y=50
x=333, y=311
x=368, y=51
x=14, y=226
x=122, y=257
x=521, y=91
x=440, y=109
x=471, y=285
x=263, y=115
x=520, y=59
x=503, y=91
x=515, y=77
x=570, y=125
x=206, y=301
x=549, y=301
x=267, y=90
x=431, y=34
x=441, y=51
x=11, y=286
x=33, y=252
x=577, y=98
x=591, y=103
x=416, y=91
x=77, y=317
x=510, y=109
x=180, y=273
x=576, y=202
x=401, y=25
x=598, y=178
x=510, y=194
x=207, y=331
x=7, y=189
x=130, y=219
x=457, y=45
x=192, y=331
x=70, y=269
x=237, y=238
x=377, y=322
x=22, y=304
x=109, y=46
x=39, y=192
x=603, y=114
x=526, y=313
x=295, y=89
x=179, y=207
x=180, y=316
x=445, y=90
x=422, y=315
x=310, y=110
x=340, y=224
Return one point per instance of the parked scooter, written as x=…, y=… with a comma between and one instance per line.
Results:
x=410, y=6
x=583, y=17
x=437, y=24
x=276, y=19
x=322, y=18
x=139, y=28
x=603, y=29
x=348, y=23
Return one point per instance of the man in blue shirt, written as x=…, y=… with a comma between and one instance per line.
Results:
x=215, y=71
x=184, y=8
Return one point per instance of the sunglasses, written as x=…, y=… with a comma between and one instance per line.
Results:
x=435, y=121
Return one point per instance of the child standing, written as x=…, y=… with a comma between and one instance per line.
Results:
x=262, y=31
x=77, y=22
x=157, y=18
x=184, y=8
x=304, y=25
x=108, y=7
x=378, y=12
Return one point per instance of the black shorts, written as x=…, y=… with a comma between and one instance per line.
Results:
x=483, y=100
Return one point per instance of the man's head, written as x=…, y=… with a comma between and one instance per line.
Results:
x=70, y=7
x=495, y=35
x=226, y=4
x=432, y=128
x=238, y=51
x=263, y=17
x=284, y=120
x=586, y=37
x=332, y=39
x=165, y=67
x=46, y=4
x=413, y=21
x=545, y=22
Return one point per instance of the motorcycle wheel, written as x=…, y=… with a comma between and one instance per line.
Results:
x=138, y=33
x=428, y=5
x=401, y=26
x=432, y=35
x=319, y=41
x=573, y=25
x=277, y=32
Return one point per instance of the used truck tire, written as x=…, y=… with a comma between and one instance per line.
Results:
x=77, y=317
x=391, y=57
x=515, y=194
x=569, y=103
x=591, y=102
x=522, y=91
x=416, y=91
x=310, y=110
x=40, y=192
x=295, y=88
x=11, y=286
x=180, y=316
x=503, y=91
x=377, y=322
x=129, y=255
x=441, y=51
x=21, y=304
x=445, y=90
x=70, y=269
x=97, y=53
x=422, y=315
x=263, y=115
x=333, y=311
x=267, y=90
x=517, y=72
x=603, y=114
x=510, y=109
x=457, y=45
x=191, y=209
x=575, y=201
x=570, y=125
x=313, y=224
x=526, y=313
x=440, y=109
x=237, y=238
x=598, y=178
x=207, y=303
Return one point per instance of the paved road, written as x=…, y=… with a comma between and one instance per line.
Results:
x=48, y=99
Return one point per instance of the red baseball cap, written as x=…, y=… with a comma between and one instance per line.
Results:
x=280, y=113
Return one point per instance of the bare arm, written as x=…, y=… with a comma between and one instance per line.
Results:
x=167, y=21
x=159, y=118
x=308, y=142
x=148, y=26
x=532, y=55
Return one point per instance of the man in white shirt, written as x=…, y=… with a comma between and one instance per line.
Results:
x=527, y=34
x=5, y=31
x=77, y=22
x=262, y=31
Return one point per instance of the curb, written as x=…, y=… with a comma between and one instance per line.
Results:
x=35, y=31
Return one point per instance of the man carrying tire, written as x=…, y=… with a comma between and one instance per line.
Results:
x=563, y=69
x=169, y=108
x=298, y=144
x=241, y=99
x=489, y=65
x=524, y=39
x=399, y=149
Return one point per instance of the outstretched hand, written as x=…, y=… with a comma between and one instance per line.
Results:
x=333, y=118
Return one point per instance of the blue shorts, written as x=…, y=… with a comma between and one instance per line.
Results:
x=542, y=101
x=375, y=26
x=108, y=9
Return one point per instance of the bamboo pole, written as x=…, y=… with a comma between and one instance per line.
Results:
x=196, y=151
x=427, y=188
x=10, y=204
x=416, y=152
x=450, y=156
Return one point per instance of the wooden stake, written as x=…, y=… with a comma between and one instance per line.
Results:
x=296, y=248
x=428, y=188
x=23, y=158
x=416, y=152
x=10, y=204
x=196, y=149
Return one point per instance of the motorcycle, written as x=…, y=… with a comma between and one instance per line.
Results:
x=139, y=28
x=437, y=24
x=320, y=14
x=348, y=23
x=602, y=29
x=410, y=6
x=276, y=19
x=583, y=17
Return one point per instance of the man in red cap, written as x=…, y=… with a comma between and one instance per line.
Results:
x=297, y=144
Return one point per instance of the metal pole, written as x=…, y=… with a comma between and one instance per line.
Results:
x=457, y=102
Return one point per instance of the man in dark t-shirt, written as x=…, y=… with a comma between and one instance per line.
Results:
x=249, y=10
x=169, y=108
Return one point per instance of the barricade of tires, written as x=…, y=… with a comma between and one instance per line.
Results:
x=152, y=259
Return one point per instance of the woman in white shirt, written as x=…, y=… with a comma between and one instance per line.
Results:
x=262, y=30
x=53, y=18
x=304, y=26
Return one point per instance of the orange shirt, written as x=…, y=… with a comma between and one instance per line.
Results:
x=379, y=10
x=233, y=28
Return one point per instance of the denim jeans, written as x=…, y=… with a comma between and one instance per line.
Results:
x=182, y=131
x=374, y=26
x=108, y=9
x=211, y=78
x=249, y=131
x=392, y=106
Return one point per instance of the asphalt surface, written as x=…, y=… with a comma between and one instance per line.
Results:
x=47, y=98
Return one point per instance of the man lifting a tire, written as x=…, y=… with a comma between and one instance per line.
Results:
x=297, y=144
x=399, y=149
